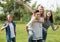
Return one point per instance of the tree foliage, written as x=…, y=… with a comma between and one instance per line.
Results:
x=18, y=11
x=21, y=13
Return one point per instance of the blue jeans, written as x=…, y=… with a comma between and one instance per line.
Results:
x=12, y=39
x=30, y=35
x=37, y=40
x=44, y=35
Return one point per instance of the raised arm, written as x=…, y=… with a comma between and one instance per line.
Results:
x=40, y=19
x=29, y=8
x=25, y=5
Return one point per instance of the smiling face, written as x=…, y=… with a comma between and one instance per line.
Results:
x=41, y=9
x=9, y=18
x=49, y=14
x=37, y=14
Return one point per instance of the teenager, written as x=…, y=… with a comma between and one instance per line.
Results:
x=35, y=28
x=48, y=22
x=10, y=27
x=40, y=8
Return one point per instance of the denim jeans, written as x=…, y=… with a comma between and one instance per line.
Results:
x=11, y=40
x=44, y=35
x=37, y=40
x=30, y=35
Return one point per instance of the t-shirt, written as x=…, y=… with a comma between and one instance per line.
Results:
x=12, y=30
x=37, y=29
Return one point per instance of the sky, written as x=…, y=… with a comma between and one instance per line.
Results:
x=47, y=4
x=58, y=2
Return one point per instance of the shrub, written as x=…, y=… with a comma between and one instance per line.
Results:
x=2, y=17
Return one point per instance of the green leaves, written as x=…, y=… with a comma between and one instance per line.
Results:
x=18, y=11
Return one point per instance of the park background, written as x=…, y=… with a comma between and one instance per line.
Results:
x=21, y=16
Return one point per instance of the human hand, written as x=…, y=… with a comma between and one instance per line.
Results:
x=41, y=20
x=20, y=2
x=57, y=27
x=1, y=29
x=27, y=28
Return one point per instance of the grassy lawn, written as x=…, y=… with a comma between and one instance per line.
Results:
x=22, y=36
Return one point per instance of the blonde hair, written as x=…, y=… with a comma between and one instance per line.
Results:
x=40, y=6
x=9, y=15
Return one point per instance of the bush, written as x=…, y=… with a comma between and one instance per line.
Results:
x=2, y=17
x=57, y=18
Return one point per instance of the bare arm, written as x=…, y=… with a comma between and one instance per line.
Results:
x=35, y=20
x=20, y=2
x=41, y=20
x=29, y=8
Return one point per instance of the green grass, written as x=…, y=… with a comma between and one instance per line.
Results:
x=22, y=36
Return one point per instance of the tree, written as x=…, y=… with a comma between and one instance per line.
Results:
x=15, y=9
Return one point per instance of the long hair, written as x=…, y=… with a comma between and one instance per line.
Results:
x=51, y=17
x=43, y=9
